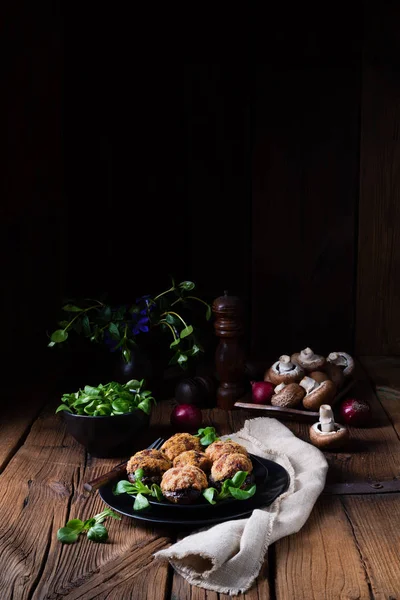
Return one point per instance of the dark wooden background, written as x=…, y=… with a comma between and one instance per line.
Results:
x=249, y=154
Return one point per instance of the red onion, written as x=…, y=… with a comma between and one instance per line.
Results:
x=355, y=412
x=186, y=417
x=262, y=391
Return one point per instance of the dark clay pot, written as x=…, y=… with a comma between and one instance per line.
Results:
x=107, y=437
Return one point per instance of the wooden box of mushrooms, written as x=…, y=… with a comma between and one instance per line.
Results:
x=297, y=386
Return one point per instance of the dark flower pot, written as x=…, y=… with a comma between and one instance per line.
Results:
x=107, y=437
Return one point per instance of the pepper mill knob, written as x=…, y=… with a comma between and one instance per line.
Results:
x=230, y=356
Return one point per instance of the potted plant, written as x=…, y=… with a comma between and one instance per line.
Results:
x=107, y=418
x=145, y=336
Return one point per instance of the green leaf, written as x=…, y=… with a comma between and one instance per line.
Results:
x=63, y=407
x=91, y=391
x=126, y=354
x=103, y=410
x=89, y=523
x=86, y=326
x=72, y=308
x=139, y=474
x=59, y=336
x=187, y=286
x=97, y=533
x=239, y=478
x=133, y=384
x=239, y=494
x=172, y=319
x=121, y=406
x=114, y=331
x=156, y=492
x=209, y=494
x=145, y=406
x=106, y=313
x=175, y=343
x=208, y=313
x=67, y=535
x=182, y=358
x=141, y=502
x=186, y=331
x=75, y=525
x=124, y=487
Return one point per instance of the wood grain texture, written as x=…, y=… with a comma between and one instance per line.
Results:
x=378, y=279
x=322, y=560
x=304, y=196
x=378, y=547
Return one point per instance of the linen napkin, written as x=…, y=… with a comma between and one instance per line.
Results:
x=228, y=557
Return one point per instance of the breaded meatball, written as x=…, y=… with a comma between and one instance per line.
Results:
x=227, y=466
x=153, y=462
x=178, y=443
x=218, y=448
x=195, y=458
x=183, y=485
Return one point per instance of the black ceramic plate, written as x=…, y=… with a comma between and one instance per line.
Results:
x=271, y=480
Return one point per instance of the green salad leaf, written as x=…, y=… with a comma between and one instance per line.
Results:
x=95, y=531
x=207, y=436
x=108, y=399
x=139, y=491
x=231, y=488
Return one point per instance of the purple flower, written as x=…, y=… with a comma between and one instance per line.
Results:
x=146, y=304
x=141, y=325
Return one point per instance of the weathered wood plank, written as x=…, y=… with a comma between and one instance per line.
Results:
x=375, y=527
x=322, y=560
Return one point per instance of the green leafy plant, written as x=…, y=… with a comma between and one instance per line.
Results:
x=231, y=488
x=110, y=399
x=207, y=436
x=139, y=490
x=96, y=532
x=121, y=327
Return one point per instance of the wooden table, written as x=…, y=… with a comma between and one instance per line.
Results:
x=349, y=548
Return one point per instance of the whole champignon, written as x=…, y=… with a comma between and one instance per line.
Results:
x=319, y=376
x=288, y=396
x=342, y=360
x=317, y=393
x=308, y=360
x=284, y=371
x=326, y=434
x=335, y=374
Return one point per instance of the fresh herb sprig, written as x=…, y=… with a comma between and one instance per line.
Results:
x=231, y=488
x=110, y=399
x=207, y=436
x=96, y=532
x=139, y=490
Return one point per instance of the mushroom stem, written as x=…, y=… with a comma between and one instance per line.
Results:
x=337, y=359
x=309, y=384
x=326, y=419
x=279, y=387
x=307, y=354
x=285, y=364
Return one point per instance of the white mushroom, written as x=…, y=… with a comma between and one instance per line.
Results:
x=308, y=360
x=342, y=360
x=288, y=395
x=317, y=393
x=326, y=434
x=284, y=371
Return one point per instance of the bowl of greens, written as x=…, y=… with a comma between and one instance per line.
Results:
x=107, y=418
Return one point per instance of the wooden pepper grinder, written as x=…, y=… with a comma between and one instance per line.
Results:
x=230, y=356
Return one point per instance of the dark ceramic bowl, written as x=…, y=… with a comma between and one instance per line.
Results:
x=107, y=437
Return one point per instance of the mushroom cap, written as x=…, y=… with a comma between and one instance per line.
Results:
x=335, y=374
x=289, y=396
x=308, y=360
x=284, y=371
x=342, y=359
x=329, y=440
x=324, y=393
x=319, y=376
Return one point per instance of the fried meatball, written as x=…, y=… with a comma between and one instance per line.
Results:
x=153, y=462
x=178, y=443
x=183, y=485
x=227, y=466
x=218, y=448
x=195, y=458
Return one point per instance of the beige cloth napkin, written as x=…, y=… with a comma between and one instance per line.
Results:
x=227, y=557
